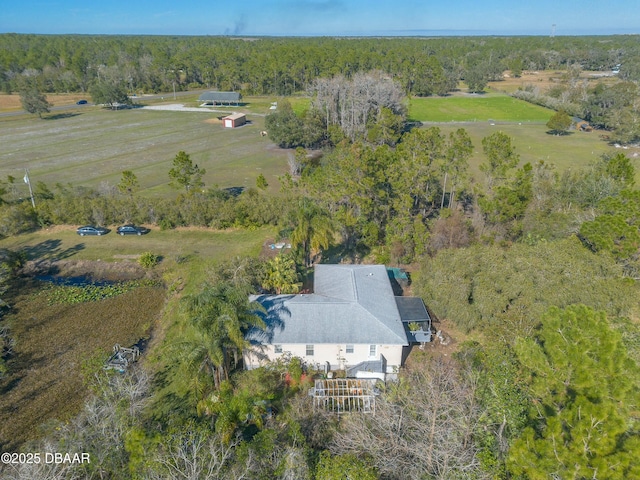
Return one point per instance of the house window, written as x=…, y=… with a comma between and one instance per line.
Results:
x=372, y=350
x=309, y=351
x=277, y=349
x=349, y=349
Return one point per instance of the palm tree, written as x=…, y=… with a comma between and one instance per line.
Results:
x=221, y=315
x=281, y=275
x=204, y=357
x=314, y=229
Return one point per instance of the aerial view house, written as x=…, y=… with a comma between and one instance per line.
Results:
x=352, y=321
x=234, y=120
x=219, y=98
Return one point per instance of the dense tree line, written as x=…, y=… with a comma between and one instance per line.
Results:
x=275, y=66
x=78, y=205
x=612, y=107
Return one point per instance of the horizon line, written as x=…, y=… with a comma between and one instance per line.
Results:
x=387, y=34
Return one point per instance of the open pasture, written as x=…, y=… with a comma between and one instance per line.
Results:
x=476, y=108
x=547, y=79
x=534, y=144
x=482, y=115
x=93, y=146
x=11, y=103
x=88, y=147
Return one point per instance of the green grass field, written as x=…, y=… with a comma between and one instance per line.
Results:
x=476, y=108
x=92, y=146
x=533, y=143
x=62, y=242
x=482, y=115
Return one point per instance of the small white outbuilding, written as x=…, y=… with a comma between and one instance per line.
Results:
x=234, y=120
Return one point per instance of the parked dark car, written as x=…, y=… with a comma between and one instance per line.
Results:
x=132, y=230
x=92, y=230
x=81, y=102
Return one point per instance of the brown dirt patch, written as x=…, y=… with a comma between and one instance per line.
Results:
x=12, y=102
x=544, y=80
x=437, y=348
x=214, y=121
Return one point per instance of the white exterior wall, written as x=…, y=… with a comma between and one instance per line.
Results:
x=335, y=354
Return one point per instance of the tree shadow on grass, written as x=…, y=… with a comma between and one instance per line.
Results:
x=59, y=116
x=51, y=250
x=559, y=133
x=168, y=402
x=9, y=385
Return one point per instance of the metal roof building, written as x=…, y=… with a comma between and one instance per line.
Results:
x=220, y=98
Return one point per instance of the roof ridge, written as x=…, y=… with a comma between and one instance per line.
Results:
x=373, y=315
x=388, y=327
x=352, y=272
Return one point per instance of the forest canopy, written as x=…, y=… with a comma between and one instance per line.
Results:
x=258, y=66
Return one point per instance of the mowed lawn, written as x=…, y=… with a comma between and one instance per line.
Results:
x=62, y=242
x=476, y=108
x=94, y=145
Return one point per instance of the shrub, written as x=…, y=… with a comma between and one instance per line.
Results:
x=166, y=224
x=148, y=260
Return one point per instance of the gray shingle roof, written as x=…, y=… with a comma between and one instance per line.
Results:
x=350, y=304
x=223, y=97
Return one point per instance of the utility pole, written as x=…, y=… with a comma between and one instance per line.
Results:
x=28, y=182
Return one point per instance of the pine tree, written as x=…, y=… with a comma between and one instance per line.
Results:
x=185, y=174
x=585, y=394
x=33, y=101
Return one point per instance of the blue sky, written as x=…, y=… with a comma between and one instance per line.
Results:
x=321, y=17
